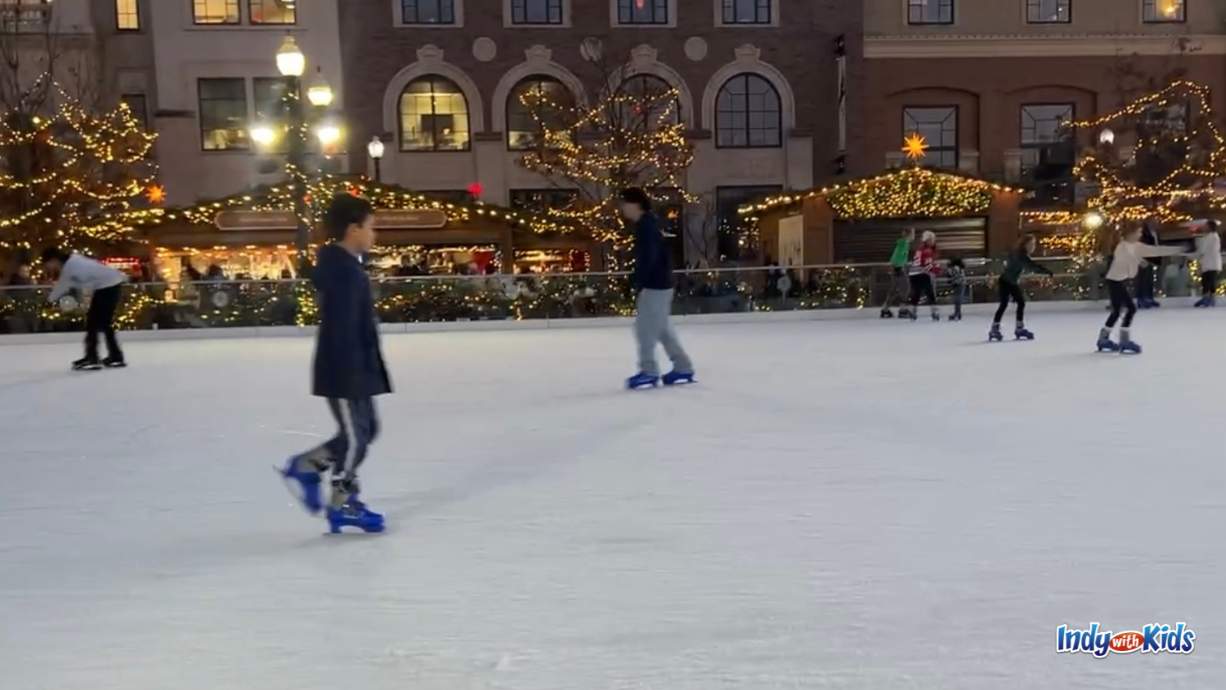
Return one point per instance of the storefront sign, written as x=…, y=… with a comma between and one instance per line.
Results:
x=429, y=219
x=238, y=221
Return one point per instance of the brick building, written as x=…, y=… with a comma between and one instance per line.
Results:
x=987, y=82
x=438, y=80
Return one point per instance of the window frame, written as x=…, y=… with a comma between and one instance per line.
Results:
x=537, y=78
x=457, y=16
x=251, y=16
x=670, y=14
x=679, y=116
x=563, y=15
x=957, y=147
x=238, y=16
x=1148, y=6
x=953, y=13
x=748, y=139
x=433, y=77
x=721, y=8
x=573, y=192
x=1021, y=113
x=1036, y=6
x=200, y=113
x=135, y=14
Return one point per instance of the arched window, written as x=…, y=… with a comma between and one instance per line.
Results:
x=433, y=116
x=748, y=114
x=535, y=103
x=650, y=104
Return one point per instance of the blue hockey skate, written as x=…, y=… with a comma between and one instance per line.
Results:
x=354, y=514
x=302, y=485
x=674, y=378
x=1022, y=334
x=641, y=380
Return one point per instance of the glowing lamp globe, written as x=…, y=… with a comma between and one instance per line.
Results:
x=319, y=93
x=375, y=148
x=328, y=134
x=290, y=60
x=1093, y=220
x=1106, y=137
x=262, y=135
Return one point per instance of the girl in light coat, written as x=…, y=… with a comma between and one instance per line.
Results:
x=1209, y=257
x=1130, y=253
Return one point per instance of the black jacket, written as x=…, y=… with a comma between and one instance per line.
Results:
x=1018, y=262
x=653, y=268
x=348, y=363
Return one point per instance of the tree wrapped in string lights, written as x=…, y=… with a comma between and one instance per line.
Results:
x=68, y=175
x=1157, y=157
x=632, y=136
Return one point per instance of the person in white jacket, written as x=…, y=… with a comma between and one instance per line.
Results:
x=1209, y=257
x=1128, y=257
x=85, y=274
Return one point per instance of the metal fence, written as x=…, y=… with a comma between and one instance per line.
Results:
x=212, y=304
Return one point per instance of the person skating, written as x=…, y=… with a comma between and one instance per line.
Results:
x=1209, y=258
x=77, y=272
x=900, y=287
x=1009, y=288
x=653, y=278
x=1147, y=275
x=1126, y=260
x=923, y=272
x=956, y=272
x=349, y=371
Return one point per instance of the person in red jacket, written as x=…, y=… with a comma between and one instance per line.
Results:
x=924, y=271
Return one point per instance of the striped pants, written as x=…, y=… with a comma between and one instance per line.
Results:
x=359, y=425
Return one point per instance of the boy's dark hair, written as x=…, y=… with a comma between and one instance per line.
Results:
x=345, y=210
x=54, y=254
x=956, y=263
x=635, y=195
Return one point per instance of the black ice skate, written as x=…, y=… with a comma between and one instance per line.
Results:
x=87, y=364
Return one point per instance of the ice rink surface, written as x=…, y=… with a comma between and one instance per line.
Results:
x=841, y=504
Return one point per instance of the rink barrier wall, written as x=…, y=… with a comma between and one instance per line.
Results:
x=983, y=310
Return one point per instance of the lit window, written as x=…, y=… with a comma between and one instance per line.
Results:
x=24, y=16
x=536, y=11
x=127, y=15
x=427, y=11
x=1049, y=11
x=652, y=104
x=748, y=114
x=215, y=11
x=433, y=116
x=939, y=128
x=1157, y=11
x=930, y=11
x=269, y=95
x=272, y=11
x=747, y=11
x=642, y=11
x=534, y=104
x=223, y=114
x=1045, y=134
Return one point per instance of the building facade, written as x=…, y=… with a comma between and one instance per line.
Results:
x=989, y=82
x=439, y=82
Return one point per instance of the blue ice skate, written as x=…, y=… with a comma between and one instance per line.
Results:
x=1106, y=344
x=641, y=380
x=354, y=514
x=1129, y=347
x=994, y=334
x=1022, y=334
x=674, y=378
x=303, y=485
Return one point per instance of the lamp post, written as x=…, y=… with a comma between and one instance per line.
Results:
x=375, y=149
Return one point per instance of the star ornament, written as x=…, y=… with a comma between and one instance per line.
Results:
x=915, y=146
x=155, y=194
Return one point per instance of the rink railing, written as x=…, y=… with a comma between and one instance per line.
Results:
x=235, y=303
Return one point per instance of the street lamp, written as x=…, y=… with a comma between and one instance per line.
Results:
x=290, y=60
x=375, y=149
x=319, y=93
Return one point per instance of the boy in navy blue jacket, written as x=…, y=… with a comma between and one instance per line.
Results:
x=349, y=369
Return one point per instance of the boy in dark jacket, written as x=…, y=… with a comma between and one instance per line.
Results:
x=653, y=278
x=349, y=369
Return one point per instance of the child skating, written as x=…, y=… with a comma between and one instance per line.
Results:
x=924, y=271
x=653, y=278
x=1209, y=258
x=1128, y=257
x=348, y=371
x=1009, y=287
x=77, y=272
x=956, y=273
x=900, y=286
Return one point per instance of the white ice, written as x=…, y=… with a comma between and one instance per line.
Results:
x=839, y=504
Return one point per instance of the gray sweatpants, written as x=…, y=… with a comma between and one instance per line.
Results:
x=653, y=326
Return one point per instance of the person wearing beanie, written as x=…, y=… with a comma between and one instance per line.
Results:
x=653, y=279
x=349, y=371
x=1129, y=257
x=1209, y=258
x=77, y=272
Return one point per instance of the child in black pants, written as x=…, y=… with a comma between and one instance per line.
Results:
x=1128, y=257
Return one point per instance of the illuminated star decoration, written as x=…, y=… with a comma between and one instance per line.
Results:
x=155, y=194
x=915, y=146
